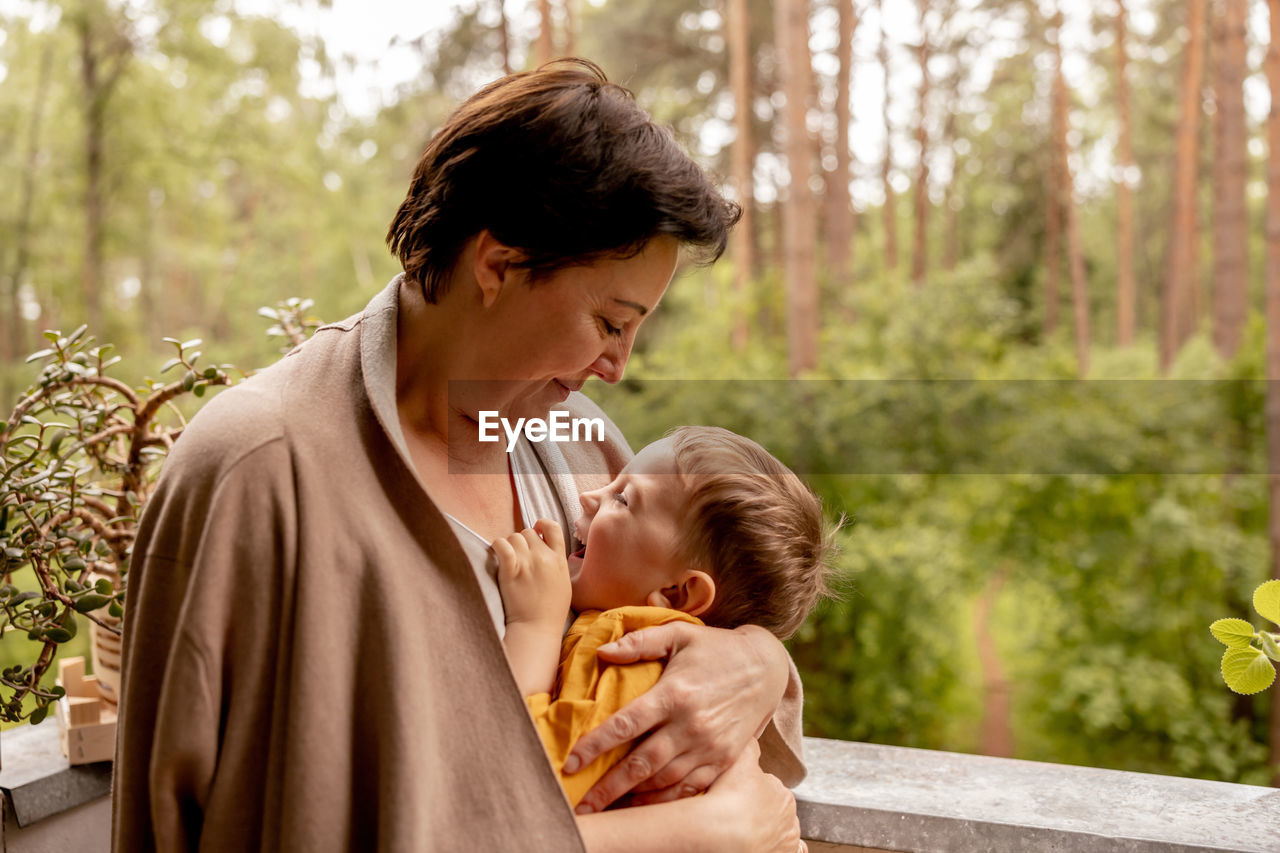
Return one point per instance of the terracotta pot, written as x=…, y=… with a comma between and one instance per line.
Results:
x=106, y=657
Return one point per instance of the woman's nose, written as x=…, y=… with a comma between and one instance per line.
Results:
x=613, y=362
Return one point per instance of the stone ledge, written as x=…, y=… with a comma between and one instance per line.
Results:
x=36, y=778
x=924, y=801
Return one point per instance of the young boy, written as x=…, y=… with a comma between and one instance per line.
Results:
x=701, y=525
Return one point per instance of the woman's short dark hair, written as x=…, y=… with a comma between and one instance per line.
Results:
x=560, y=164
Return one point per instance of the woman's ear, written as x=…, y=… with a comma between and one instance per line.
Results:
x=693, y=593
x=493, y=266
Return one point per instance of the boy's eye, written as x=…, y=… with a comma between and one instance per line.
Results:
x=620, y=498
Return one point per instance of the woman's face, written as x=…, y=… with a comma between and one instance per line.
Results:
x=545, y=339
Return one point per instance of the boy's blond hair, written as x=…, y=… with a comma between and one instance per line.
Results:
x=753, y=526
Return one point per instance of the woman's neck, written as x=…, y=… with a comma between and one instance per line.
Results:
x=428, y=356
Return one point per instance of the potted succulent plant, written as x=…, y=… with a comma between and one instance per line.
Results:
x=79, y=456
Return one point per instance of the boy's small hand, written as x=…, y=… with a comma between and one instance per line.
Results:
x=533, y=574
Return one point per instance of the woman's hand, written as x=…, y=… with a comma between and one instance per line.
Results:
x=745, y=811
x=715, y=697
x=759, y=808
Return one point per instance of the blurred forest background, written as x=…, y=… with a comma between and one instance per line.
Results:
x=959, y=190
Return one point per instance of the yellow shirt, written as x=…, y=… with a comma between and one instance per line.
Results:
x=587, y=690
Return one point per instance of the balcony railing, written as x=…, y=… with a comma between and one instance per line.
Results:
x=858, y=797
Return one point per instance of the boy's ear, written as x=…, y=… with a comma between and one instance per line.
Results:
x=693, y=593
x=494, y=266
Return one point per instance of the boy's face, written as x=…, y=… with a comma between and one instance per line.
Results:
x=628, y=530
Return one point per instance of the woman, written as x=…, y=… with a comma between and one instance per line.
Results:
x=313, y=655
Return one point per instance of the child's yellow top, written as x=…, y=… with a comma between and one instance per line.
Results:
x=587, y=690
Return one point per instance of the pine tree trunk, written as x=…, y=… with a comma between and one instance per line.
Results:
x=504, y=36
x=1126, y=288
x=839, y=204
x=546, y=44
x=744, y=245
x=1230, y=222
x=792, y=35
x=16, y=344
x=1181, y=258
x=1067, y=204
x=1054, y=181
x=94, y=127
x=919, y=254
x=889, y=210
x=570, y=27
x=1273, y=341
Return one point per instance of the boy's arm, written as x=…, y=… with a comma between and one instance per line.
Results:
x=533, y=577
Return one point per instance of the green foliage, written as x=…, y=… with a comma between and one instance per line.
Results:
x=1246, y=667
x=80, y=454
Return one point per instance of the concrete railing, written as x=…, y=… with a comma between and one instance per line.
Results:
x=857, y=797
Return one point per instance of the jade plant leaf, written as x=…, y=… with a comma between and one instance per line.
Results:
x=1266, y=600
x=1232, y=633
x=1247, y=671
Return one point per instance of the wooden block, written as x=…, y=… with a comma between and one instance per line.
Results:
x=71, y=676
x=95, y=742
x=83, y=711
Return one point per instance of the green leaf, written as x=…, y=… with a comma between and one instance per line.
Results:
x=103, y=587
x=90, y=602
x=62, y=635
x=1266, y=600
x=50, y=335
x=199, y=389
x=115, y=610
x=170, y=364
x=74, y=564
x=210, y=373
x=189, y=381
x=1247, y=671
x=194, y=342
x=75, y=336
x=1269, y=646
x=1232, y=633
x=39, y=354
x=38, y=715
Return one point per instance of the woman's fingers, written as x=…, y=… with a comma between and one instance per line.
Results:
x=634, y=719
x=648, y=644
x=649, y=756
x=686, y=785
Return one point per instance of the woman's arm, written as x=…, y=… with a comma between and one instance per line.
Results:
x=745, y=811
x=716, y=695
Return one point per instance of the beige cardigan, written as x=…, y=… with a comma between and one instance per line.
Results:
x=309, y=663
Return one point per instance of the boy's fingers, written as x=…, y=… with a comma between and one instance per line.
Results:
x=519, y=546
x=551, y=534
x=531, y=540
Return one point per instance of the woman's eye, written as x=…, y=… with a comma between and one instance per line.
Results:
x=610, y=328
x=620, y=498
